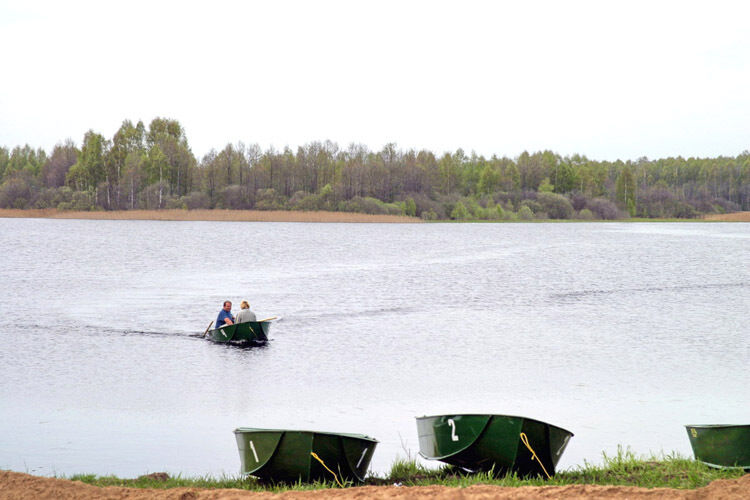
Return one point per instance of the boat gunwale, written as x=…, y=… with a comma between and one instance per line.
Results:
x=364, y=437
x=494, y=415
x=716, y=426
x=729, y=467
x=223, y=327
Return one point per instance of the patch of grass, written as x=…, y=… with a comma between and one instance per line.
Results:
x=622, y=469
x=665, y=471
x=164, y=481
x=407, y=471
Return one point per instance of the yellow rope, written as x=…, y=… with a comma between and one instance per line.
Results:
x=316, y=457
x=525, y=441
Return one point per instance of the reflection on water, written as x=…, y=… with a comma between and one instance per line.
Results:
x=621, y=333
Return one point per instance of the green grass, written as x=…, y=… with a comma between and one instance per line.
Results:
x=208, y=482
x=622, y=469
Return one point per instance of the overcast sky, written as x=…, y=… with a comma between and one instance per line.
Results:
x=611, y=80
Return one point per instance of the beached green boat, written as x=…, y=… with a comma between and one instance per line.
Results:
x=721, y=446
x=501, y=443
x=252, y=331
x=280, y=455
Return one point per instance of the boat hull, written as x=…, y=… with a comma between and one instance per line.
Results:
x=492, y=443
x=252, y=331
x=280, y=455
x=721, y=446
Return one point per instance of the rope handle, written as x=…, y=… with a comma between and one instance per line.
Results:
x=525, y=440
x=316, y=457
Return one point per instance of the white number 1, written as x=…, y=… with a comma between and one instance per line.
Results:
x=362, y=457
x=255, y=454
x=454, y=437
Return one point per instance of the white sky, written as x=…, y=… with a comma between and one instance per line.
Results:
x=602, y=78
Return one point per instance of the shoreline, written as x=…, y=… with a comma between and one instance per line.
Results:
x=20, y=485
x=219, y=215
x=210, y=215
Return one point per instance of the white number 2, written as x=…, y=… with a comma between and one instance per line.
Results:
x=454, y=437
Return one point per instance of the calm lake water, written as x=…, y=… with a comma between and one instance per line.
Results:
x=619, y=332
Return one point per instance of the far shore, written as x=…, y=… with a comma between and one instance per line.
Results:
x=210, y=215
x=286, y=216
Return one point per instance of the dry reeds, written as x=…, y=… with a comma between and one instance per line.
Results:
x=209, y=215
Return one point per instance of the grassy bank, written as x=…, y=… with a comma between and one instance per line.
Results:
x=623, y=469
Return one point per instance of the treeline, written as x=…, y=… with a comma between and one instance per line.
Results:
x=153, y=168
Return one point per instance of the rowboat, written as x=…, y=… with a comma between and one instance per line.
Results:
x=281, y=455
x=721, y=446
x=250, y=332
x=497, y=443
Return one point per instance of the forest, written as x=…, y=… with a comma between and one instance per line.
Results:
x=153, y=167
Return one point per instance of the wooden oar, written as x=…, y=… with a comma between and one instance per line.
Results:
x=207, y=329
x=267, y=319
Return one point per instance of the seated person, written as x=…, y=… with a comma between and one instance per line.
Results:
x=225, y=317
x=245, y=313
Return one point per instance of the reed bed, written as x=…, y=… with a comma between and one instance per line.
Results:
x=210, y=215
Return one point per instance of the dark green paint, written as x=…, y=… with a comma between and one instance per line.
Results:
x=723, y=446
x=252, y=331
x=491, y=442
x=280, y=455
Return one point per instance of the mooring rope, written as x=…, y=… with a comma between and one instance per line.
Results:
x=525, y=441
x=316, y=457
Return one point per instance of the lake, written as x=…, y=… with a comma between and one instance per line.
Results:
x=619, y=332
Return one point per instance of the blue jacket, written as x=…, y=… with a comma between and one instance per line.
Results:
x=222, y=316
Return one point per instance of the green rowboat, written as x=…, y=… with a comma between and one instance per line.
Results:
x=280, y=455
x=721, y=446
x=499, y=443
x=250, y=332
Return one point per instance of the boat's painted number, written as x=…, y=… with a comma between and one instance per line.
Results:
x=362, y=457
x=454, y=437
x=255, y=453
x=694, y=433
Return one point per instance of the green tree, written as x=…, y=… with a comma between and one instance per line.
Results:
x=459, y=212
x=4, y=161
x=512, y=178
x=88, y=172
x=489, y=180
x=411, y=208
x=169, y=157
x=625, y=190
x=128, y=139
x=545, y=186
x=565, y=178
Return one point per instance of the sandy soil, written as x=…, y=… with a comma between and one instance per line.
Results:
x=20, y=486
x=733, y=217
x=210, y=215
